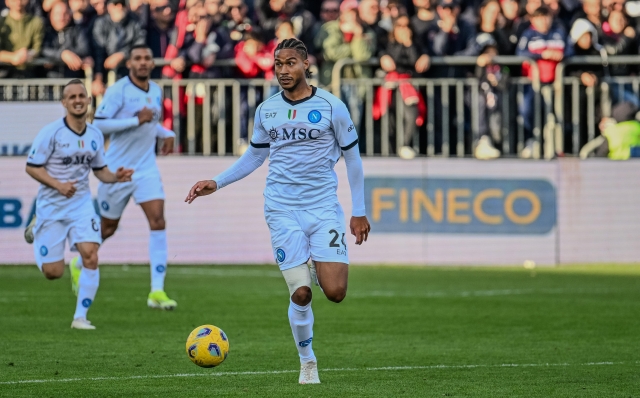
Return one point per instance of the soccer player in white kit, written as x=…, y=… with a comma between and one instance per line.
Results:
x=60, y=159
x=303, y=130
x=129, y=114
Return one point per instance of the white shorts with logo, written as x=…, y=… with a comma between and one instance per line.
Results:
x=297, y=235
x=50, y=236
x=113, y=198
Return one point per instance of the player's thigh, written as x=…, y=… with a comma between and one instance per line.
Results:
x=328, y=242
x=49, y=240
x=53, y=270
x=290, y=243
x=333, y=278
x=84, y=237
x=113, y=198
x=148, y=188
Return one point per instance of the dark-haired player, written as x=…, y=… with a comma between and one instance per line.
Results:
x=129, y=114
x=61, y=157
x=303, y=130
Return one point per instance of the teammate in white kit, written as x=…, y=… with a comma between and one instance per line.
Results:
x=129, y=114
x=303, y=130
x=61, y=157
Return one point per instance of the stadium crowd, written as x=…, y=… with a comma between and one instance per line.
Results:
x=192, y=35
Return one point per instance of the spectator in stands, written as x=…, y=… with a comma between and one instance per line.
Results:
x=65, y=44
x=83, y=16
x=592, y=11
x=492, y=82
x=254, y=60
x=329, y=11
x=424, y=17
x=114, y=34
x=620, y=139
x=211, y=41
x=450, y=35
x=141, y=9
x=399, y=60
x=237, y=21
x=546, y=44
x=619, y=38
x=488, y=23
x=304, y=23
x=369, y=14
x=512, y=24
x=347, y=37
x=166, y=40
x=99, y=6
x=21, y=36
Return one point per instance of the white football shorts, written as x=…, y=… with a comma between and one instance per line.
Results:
x=113, y=198
x=50, y=236
x=297, y=235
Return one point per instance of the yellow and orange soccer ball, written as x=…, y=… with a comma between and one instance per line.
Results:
x=207, y=346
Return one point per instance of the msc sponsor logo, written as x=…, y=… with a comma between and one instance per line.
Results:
x=293, y=133
x=464, y=206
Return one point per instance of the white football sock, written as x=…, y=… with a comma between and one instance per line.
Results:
x=158, y=258
x=301, y=321
x=79, y=263
x=88, y=282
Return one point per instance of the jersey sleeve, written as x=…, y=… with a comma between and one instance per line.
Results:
x=110, y=105
x=41, y=149
x=99, y=162
x=260, y=138
x=343, y=127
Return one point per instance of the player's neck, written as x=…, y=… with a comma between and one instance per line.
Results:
x=301, y=91
x=77, y=125
x=141, y=84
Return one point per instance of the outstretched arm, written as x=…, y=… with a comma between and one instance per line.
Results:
x=251, y=160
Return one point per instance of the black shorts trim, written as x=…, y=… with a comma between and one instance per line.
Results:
x=346, y=148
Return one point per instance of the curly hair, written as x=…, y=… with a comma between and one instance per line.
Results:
x=298, y=46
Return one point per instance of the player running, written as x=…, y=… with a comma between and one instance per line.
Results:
x=303, y=130
x=129, y=114
x=62, y=154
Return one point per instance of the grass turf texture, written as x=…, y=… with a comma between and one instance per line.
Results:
x=568, y=318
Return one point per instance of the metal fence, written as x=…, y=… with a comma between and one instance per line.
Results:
x=215, y=116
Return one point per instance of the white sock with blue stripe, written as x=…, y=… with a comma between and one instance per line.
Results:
x=301, y=321
x=158, y=258
x=88, y=287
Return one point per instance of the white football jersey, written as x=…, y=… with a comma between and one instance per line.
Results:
x=133, y=148
x=306, y=139
x=66, y=156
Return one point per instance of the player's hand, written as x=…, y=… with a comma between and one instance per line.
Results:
x=167, y=146
x=67, y=189
x=145, y=115
x=202, y=188
x=360, y=228
x=123, y=175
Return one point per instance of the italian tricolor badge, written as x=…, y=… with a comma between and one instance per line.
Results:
x=292, y=114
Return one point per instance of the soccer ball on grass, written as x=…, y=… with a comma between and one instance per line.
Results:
x=207, y=346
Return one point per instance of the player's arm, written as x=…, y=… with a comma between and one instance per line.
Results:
x=253, y=158
x=348, y=140
x=40, y=174
x=111, y=104
x=105, y=175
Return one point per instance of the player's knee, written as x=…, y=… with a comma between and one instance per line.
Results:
x=52, y=273
x=156, y=223
x=90, y=260
x=336, y=294
x=302, y=295
x=108, y=230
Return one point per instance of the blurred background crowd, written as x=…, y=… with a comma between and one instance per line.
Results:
x=195, y=37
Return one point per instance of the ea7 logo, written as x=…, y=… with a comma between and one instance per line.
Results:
x=350, y=129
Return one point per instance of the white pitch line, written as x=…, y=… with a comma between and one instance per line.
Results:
x=273, y=372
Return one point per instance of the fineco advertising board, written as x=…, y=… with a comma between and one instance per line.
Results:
x=423, y=211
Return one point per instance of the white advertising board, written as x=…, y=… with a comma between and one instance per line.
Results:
x=424, y=211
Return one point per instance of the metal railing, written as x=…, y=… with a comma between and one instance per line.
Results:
x=580, y=115
x=209, y=115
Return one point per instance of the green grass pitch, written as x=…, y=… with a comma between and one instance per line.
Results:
x=401, y=332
